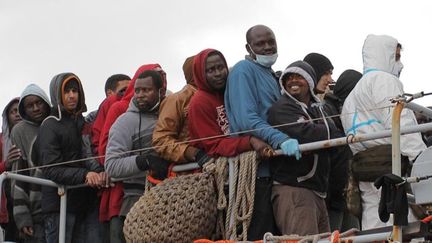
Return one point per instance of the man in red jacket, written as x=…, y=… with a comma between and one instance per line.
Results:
x=207, y=117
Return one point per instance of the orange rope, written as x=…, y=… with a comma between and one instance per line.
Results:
x=230, y=241
x=428, y=219
x=335, y=237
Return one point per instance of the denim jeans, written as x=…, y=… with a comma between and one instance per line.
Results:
x=80, y=227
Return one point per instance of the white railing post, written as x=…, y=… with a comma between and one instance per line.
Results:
x=62, y=192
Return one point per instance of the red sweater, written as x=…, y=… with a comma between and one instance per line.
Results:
x=207, y=117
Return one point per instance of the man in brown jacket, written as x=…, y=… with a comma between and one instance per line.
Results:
x=172, y=125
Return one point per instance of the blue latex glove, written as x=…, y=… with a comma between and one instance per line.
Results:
x=291, y=147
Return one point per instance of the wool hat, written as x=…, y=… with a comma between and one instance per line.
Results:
x=302, y=68
x=320, y=63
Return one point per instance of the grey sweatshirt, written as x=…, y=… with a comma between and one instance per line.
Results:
x=131, y=131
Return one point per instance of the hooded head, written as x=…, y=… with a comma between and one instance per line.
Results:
x=345, y=83
x=34, y=105
x=303, y=69
x=10, y=118
x=148, y=91
x=129, y=93
x=379, y=52
x=59, y=84
x=187, y=70
x=322, y=66
x=210, y=71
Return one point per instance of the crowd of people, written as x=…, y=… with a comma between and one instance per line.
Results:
x=140, y=131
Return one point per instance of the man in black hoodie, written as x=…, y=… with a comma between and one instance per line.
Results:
x=300, y=184
x=58, y=145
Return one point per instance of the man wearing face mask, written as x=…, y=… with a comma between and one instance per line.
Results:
x=366, y=110
x=250, y=91
x=126, y=153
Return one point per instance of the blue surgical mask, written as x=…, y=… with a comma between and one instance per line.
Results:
x=264, y=60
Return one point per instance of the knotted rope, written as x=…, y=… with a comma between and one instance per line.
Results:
x=238, y=209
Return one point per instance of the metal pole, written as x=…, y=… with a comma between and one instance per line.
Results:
x=30, y=179
x=361, y=137
x=362, y=238
x=62, y=191
x=396, y=158
x=420, y=109
x=336, y=142
x=396, y=153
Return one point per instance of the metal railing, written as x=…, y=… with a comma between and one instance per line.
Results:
x=62, y=189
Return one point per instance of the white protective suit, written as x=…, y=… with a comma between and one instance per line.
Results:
x=368, y=109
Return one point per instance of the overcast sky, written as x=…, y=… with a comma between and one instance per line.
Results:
x=97, y=38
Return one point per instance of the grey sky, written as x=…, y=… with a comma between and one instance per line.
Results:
x=95, y=38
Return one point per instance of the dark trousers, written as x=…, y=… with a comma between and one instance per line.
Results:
x=262, y=217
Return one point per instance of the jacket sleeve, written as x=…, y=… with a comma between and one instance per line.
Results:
x=2, y=162
x=304, y=132
x=111, y=117
x=2, y=166
x=411, y=144
x=50, y=153
x=98, y=125
x=241, y=97
x=21, y=210
x=91, y=163
x=167, y=130
x=203, y=124
x=119, y=163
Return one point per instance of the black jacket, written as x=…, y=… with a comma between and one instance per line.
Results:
x=312, y=170
x=60, y=140
x=339, y=159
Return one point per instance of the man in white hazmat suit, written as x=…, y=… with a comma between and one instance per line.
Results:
x=363, y=112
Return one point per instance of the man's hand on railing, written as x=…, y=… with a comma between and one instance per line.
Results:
x=13, y=155
x=27, y=230
x=190, y=153
x=157, y=165
x=93, y=179
x=291, y=148
x=263, y=149
x=105, y=180
x=202, y=158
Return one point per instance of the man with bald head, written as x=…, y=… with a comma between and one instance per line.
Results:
x=251, y=90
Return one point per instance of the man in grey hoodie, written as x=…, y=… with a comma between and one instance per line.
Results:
x=34, y=107
x=128, y=153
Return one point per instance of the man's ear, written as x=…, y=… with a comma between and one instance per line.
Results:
x=109, y=92
x=248, y=48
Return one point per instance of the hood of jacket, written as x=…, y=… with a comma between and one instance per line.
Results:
x=199, y=67
x=187, y=70
x=5, y=123
x=6, y=130
x=56, y=92
x=130, y=90
x=345, y=83
x=306, y=71
x=31, y=89
x=379, y=53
